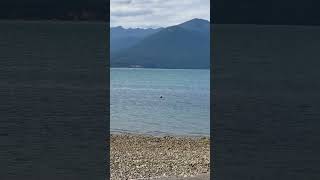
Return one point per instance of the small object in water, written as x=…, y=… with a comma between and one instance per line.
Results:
x=161, y=97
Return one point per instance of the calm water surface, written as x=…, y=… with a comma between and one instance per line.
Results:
x=136, y=106
x=53, y=95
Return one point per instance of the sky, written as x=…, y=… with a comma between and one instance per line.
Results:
x=156, y=13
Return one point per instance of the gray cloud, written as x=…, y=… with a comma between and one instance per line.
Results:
x=156, y=13
x=131, y=13
x=122, y=1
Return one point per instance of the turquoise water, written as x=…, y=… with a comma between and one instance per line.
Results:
x=136, y=106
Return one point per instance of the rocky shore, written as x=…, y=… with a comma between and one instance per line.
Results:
x=148, y=157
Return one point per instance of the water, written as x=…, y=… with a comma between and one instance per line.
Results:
x=136, y=106
x=53, y=94
x=266, y=109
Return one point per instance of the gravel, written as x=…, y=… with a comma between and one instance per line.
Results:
x=147, y=157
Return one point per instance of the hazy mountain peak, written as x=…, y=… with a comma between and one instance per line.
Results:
x=122, y=38
x=117, y=27
x=196, y=24
x=186, y=45
x=198, y=20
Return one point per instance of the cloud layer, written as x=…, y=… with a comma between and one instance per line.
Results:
x=156, y=13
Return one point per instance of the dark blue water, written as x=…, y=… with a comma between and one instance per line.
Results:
x=136, y=106
x=267, y=102
x=53, y=118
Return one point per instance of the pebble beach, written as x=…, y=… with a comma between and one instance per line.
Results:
x=150, y=157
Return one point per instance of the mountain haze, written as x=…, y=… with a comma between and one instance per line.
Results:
x=121, y=38
x=199, y=25
x=186, y=45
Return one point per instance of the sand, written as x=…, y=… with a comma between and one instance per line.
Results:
x=149, y=157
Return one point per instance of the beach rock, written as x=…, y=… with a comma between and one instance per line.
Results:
x=140, y=156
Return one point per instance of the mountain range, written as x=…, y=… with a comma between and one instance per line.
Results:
x=121, y=38
x=185, y=46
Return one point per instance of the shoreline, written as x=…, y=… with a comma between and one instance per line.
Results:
x=139, y=156
x=158, y=135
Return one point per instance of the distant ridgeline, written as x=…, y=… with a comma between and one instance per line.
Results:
x=185, y=46
x=73, y=10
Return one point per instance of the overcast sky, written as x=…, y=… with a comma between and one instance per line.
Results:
x=156, y=13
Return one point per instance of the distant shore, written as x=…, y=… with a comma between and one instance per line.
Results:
x=145, y=157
